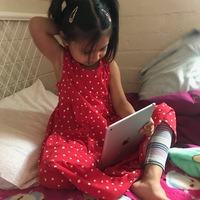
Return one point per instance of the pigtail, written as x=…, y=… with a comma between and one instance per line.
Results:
x=113, y=8
x=55, y=11
x=59, y=10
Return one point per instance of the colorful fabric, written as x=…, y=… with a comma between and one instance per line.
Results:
x=187, y=159
x=75, y=135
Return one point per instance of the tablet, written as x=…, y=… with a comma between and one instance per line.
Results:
x=123, y=137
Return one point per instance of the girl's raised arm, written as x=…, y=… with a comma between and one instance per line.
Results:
x=43, y=31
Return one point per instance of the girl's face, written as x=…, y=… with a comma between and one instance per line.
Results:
x=87, y=57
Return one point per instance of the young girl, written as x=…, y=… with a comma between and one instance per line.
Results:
x=90, y=98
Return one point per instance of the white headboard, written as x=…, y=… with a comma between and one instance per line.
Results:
x=20, y=60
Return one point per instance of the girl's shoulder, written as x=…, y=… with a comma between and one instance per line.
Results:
x=113, y=65
x=114, y=69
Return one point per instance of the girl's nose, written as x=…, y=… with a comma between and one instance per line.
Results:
x=98, y=56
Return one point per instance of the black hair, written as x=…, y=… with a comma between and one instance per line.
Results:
x=91, y=19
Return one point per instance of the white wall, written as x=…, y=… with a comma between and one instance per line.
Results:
x=146, y=28
x=25, y=6
x=149, y=26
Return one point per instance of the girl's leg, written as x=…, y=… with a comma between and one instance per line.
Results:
x=154, y=165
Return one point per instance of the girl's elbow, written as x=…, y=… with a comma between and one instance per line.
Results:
x=33, y=24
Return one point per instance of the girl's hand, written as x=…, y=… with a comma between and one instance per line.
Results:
x=148, y=129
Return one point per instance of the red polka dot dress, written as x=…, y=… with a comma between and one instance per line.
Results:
x=75, y=134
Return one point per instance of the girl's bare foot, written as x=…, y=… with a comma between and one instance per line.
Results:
x=148, y=191
x=148, y=187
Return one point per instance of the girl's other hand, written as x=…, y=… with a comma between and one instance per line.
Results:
x=148, y=128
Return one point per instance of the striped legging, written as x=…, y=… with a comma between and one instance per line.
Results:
x=159, y=146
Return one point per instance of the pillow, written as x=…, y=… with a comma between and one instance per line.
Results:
x=177, y=69
x=187, y=109
x=23, y=122
x=187, y=159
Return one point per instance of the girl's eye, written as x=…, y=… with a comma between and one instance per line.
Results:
x=86, y=53
x=104, y=49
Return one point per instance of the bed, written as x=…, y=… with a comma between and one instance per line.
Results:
x=27, y=102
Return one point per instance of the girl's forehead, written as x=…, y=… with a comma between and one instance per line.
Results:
x=102, y=42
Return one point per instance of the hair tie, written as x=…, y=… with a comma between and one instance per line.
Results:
x=73, y=14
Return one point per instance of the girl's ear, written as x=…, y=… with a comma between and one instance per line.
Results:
x=63, y=39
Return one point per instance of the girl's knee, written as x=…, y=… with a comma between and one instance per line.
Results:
x=52, y=177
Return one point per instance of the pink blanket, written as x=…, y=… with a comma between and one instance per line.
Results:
x=176, y=183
